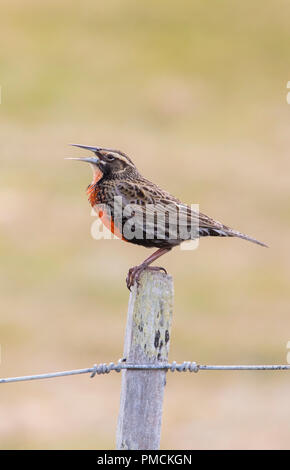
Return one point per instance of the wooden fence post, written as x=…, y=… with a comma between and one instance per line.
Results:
x=146, y=342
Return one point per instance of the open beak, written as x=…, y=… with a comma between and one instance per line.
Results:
x=91, y=160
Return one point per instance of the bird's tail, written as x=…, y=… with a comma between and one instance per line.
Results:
x=213, y=228
x=235, y=233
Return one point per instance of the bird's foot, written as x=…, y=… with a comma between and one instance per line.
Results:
x=135, y=273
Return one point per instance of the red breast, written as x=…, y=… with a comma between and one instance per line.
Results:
x=105, y=216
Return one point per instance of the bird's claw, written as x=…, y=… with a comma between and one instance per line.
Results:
x=135, y=273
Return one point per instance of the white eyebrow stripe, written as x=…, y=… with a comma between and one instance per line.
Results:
x=121, y=157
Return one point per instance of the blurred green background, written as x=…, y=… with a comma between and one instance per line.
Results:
x=195, y=92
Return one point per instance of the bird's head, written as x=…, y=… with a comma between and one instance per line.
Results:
x=107, y=163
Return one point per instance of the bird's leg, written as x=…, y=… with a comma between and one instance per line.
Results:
x=135, y=272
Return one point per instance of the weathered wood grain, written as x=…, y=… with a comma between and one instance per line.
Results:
x=147, y=341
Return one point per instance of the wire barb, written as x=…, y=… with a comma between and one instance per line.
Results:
x=186, y=366
x=105, y=369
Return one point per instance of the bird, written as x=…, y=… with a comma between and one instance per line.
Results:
x=156, y=219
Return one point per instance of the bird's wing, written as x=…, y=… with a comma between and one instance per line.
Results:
x=159, y=213
x=177, y=221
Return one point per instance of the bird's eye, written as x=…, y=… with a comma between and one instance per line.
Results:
x=110, y=157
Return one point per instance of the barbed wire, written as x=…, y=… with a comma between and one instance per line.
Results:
x=104, y=368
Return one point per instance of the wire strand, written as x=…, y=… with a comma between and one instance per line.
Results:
x=104, y=368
